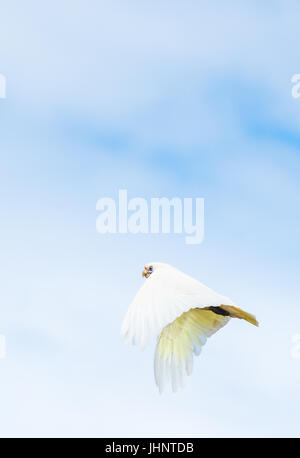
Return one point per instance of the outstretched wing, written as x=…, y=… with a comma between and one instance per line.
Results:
x=165, y=295
x=179, y=341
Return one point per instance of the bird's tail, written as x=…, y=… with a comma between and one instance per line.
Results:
x=236, y=312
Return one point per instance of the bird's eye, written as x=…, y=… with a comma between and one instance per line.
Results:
x=150, y=269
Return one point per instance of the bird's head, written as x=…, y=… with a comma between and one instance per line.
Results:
x=152, y=267
x=148, y=270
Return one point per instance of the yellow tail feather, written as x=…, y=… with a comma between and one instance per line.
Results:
x=236, y=312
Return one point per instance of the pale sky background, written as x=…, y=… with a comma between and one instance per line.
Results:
x=163, y=98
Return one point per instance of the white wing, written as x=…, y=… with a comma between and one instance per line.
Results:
x=179, y=341
x=165, y=295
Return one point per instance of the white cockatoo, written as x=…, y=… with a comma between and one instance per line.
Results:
x=182, y=313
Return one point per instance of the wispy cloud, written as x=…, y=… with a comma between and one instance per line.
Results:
x=160, y=98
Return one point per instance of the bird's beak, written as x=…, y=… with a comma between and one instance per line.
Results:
x=145, y=272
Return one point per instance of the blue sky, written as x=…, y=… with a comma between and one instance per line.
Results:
x=163, y=99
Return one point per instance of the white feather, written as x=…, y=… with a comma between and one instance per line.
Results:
x=164, y=296
x=179, y=341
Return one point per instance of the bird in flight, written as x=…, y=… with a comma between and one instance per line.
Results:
x=182, y=313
